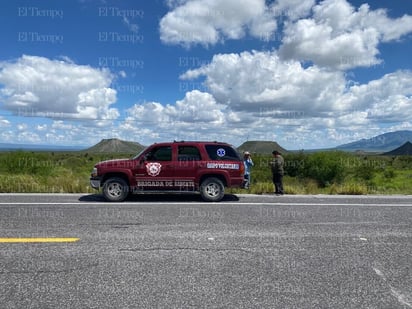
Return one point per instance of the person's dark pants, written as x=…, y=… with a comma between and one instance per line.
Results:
x=246, y=181
x=278, y=182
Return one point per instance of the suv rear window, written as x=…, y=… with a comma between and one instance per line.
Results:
x=188, y=153
x=221, y=152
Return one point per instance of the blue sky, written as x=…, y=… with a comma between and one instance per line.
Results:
x=303, y=73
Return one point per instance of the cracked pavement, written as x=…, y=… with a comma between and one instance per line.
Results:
x=179, y=252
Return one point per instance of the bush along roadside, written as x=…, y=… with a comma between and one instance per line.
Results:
x=331, y=172
x=336, y=172
x=48, y=172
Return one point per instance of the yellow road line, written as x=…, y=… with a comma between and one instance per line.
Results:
x=36, y=239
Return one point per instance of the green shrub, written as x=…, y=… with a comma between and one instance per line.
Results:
x=20, y=162
x=324, y=167
x=364, y=172
x=401, y=162
x=389, y=173
x=295, y=164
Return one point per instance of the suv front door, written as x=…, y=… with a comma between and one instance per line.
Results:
x=156, y=170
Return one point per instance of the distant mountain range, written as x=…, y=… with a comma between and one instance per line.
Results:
x=405, y=149
x=381, y=143
x=391, y=143
x=104, y=146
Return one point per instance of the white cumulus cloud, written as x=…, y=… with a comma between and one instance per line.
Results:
x=196, y=115
x=261, y=81
x=211, y=21
x=38, y=86
x=260, y=90
x=292, y=9
x=340, y=36
x=196, y=106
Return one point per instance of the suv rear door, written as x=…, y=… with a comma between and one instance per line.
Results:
x=188, y=161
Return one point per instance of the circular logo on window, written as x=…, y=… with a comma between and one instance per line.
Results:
x=221, y=152
x=153, y=169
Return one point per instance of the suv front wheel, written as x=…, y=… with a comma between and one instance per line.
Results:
x=212, y=189
x=115, y=189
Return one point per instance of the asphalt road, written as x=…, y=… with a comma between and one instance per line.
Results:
x=247, y=251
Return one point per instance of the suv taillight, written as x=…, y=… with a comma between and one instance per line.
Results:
x=242, y=168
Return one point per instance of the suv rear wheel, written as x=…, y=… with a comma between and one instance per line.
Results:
x=212, y=189
x=115, y=189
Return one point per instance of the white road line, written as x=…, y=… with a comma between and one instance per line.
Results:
x=333, y=196
x=145, y=203
x=397, y=294
x=400, y=297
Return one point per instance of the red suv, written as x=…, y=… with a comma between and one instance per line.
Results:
x=176, y=167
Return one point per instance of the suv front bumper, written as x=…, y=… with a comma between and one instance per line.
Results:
x=95, y=182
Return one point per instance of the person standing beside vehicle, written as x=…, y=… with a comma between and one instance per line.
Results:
x=277, y=165
x=248, y=162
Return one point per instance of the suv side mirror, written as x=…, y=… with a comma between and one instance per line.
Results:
x=145, y=157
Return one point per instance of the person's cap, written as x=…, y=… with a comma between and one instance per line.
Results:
x=275, y=152
x=246, y=153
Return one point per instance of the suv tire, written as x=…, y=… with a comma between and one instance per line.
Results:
x=115, y=189
x=212, y=189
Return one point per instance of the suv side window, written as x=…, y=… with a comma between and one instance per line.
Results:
x=188, y=153
x=160, y=154
x=221, y=152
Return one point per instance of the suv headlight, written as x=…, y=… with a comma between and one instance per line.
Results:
x=94, y=172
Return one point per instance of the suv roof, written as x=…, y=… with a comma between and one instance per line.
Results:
x=200, y=142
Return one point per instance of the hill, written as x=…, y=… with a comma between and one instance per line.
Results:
x=381, y=143
x=404, y=150
x=115, y=145
x=261, y=147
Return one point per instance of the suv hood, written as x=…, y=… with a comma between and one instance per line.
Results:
x=116, y=163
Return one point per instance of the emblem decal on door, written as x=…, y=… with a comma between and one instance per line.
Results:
x=153, y=169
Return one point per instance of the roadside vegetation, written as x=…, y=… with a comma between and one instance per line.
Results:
x=336, y=172
x=48, y=172
x=306, y=173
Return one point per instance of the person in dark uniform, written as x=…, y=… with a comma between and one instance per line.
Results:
x=277, y=164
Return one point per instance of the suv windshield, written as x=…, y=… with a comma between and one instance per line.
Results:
x=136, y=156
x=221, y=152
